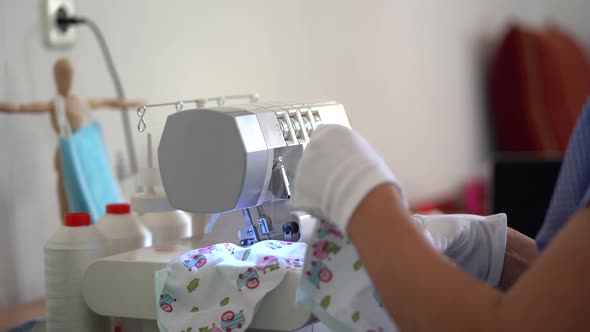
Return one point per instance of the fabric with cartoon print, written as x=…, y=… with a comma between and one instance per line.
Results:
x=337, y=289
x=218, y=288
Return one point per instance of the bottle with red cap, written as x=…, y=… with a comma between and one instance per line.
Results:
x=122, y=229
x=68, y=253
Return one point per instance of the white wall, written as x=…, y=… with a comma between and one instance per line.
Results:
x=409, y=72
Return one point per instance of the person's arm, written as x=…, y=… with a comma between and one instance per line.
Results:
x=114, y=103
x=521, y=252
x=424, y=292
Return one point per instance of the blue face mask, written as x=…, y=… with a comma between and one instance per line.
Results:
x=88, y=176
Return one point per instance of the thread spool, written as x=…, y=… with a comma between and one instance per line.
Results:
x=68, y=253
x=123, y=230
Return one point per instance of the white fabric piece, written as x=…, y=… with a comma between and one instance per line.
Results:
x=337, y=289
x=337, y=170
x=218, y=288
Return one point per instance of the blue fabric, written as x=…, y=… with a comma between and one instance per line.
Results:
x=88, y=177
x=572, y=190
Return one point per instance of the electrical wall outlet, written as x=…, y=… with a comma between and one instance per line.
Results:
x=55, y=36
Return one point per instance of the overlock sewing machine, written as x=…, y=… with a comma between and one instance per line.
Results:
x=236, y=164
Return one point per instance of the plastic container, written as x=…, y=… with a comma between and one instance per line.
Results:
x=123, y=230
x=68, y=253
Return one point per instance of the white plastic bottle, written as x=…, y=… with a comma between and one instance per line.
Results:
x=168, y=225
x=68, y=253
x=122, y=229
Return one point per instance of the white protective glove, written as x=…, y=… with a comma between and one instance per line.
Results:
x=474, y=243
x=337, y=170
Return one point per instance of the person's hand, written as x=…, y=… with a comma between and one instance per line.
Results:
x=476, y=244
x=521, y=252
x=337, y=170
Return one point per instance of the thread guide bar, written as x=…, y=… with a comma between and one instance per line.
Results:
x=199, y=103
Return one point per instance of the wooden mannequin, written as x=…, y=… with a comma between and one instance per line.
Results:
x=63, y=74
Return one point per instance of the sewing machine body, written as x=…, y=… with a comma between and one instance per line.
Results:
x=225, y=161
x=127, y=290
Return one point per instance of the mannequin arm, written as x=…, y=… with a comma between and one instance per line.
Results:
x=36, y=107
x=41, y=107
x=114, y=103
x=8, y=107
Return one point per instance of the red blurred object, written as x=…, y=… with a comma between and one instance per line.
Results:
x=474, y=197
x=118, y=208
x=77, y=219
x=472, y=200
x=539, y=81
x=436, y=207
